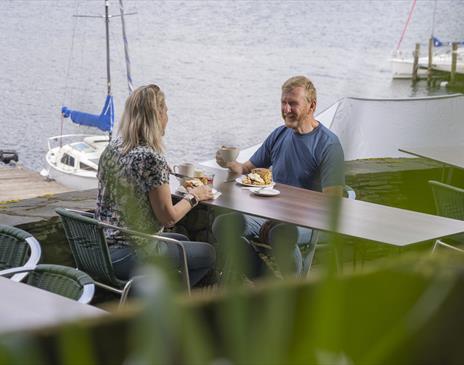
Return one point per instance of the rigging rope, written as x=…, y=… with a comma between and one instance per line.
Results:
x=126, y=48
x=406, y=25
x=68, y=68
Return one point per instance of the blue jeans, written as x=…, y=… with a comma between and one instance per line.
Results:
x=282, y=237
x=201, y=257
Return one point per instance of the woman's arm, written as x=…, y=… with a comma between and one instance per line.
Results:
x=169, y=214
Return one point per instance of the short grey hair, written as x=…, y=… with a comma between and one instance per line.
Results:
x=301, y=81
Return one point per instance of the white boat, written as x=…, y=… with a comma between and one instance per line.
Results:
x=402, y=66
x=72, y=160
x=442, y=61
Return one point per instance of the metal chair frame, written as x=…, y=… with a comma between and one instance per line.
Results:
x=449, y=202
x=125, y=286
x=35, y=251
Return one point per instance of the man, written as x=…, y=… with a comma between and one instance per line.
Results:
x=302, y=153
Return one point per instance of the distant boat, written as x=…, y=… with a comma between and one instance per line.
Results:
x=72, y=159
x=402, y=64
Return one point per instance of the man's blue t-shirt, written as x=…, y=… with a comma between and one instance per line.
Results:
x=312, y=161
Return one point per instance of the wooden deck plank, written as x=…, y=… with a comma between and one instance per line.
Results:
x=18, y=183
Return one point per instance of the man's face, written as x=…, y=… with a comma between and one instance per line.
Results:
x=295, y=107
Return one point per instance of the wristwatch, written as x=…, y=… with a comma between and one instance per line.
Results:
x=192, y=199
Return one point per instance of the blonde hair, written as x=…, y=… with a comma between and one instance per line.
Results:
x=304, y=82
x=141, y=119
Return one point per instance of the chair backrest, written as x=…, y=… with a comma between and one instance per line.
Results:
x=63, y=280
x=449, y=200
x=88, y=246
x=18, y=248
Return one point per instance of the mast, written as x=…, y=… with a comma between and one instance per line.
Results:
x=107, y=28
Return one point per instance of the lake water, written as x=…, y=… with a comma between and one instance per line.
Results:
x=220, y=63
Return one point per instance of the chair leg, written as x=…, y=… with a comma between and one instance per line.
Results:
x=308, y=261
x=125, y=292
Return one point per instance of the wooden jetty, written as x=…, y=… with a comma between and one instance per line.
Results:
x=435, y=76
x=18, y=183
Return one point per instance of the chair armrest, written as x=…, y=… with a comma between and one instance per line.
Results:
x=349, y=192
x=180, y=246
x=17, y=270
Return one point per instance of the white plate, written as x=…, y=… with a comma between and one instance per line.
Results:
x=266, y=192
x=238, y=180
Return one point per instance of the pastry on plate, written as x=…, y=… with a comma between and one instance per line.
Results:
x=258, y=176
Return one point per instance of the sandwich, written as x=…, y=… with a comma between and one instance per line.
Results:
x=258, y=176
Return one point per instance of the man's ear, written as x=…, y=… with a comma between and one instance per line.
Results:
x=313, y=105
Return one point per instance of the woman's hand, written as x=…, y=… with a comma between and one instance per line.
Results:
x=203, y=192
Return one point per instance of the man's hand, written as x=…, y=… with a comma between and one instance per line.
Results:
x=219, y=160
x=233, y=166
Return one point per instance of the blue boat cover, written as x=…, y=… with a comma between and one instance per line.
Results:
x=438, y=43
x=104, y=121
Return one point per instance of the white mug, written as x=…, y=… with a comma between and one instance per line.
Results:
x=229, y=154
x=185, y=169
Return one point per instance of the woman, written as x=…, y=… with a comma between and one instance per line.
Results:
x=133, y=189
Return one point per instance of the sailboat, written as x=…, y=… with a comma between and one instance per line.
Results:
x=402, y=64
x=72, y=159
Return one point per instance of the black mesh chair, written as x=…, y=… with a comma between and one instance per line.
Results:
x=18, y=248
x=89, y=248
x=61, y=280
x=449, y=202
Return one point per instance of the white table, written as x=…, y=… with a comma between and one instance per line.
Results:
x=24, y=307
x=306, y=208
x=452, y=156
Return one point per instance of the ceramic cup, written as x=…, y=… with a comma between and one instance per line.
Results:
x=186, y=169
x=229, y=154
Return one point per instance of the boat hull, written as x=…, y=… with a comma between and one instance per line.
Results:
x=72, y=180
x=402, y=68
x=75, y=164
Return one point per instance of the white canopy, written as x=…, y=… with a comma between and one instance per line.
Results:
x=378, y=127
x=370, y=128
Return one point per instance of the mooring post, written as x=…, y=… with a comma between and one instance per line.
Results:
x=415, y=65
x=429, y=67
x=454, y=59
